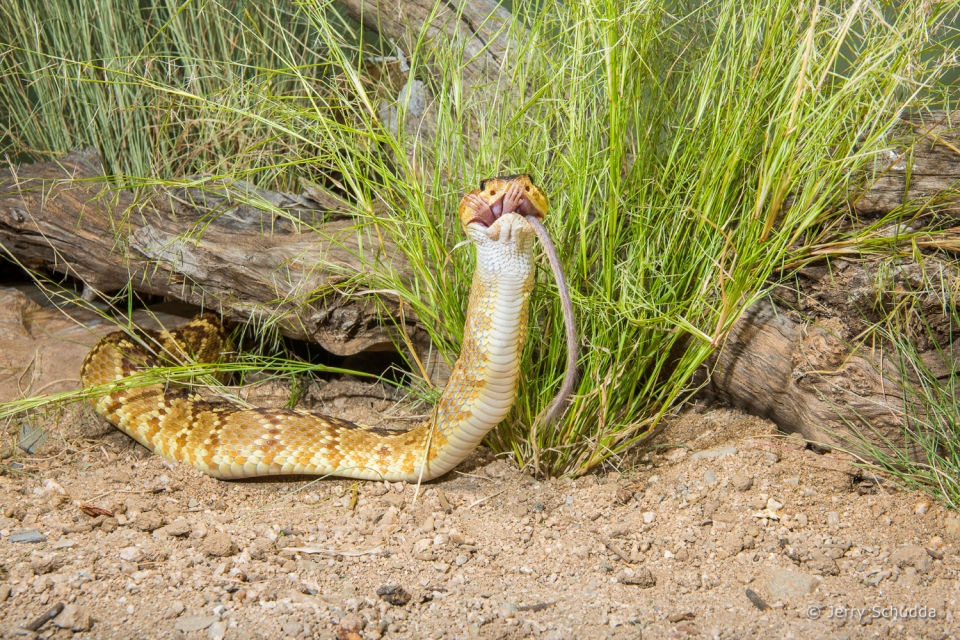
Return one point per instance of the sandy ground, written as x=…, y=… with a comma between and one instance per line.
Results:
x=736, y=532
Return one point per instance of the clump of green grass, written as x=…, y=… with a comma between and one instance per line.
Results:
x=668, y=135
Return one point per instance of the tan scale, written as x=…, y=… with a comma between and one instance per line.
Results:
x=225, y=441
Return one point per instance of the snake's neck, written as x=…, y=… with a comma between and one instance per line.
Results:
x=483, y=384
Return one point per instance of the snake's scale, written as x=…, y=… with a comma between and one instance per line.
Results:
x=225, y=441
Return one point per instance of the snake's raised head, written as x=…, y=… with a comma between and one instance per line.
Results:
x=499, y=196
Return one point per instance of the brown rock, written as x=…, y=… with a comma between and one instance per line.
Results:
x=710, y=507
x=912, y=556
x=393, y=594
x=74, y=618
x=109, y=524
x=352, y=623
x=951, y=526
x=149, y=521
x=178, y=528
x=45, y=562
x=790, y=585
x=640, y=577
x=742, y=482
x=219, y=545
x=822, y=564
x=732, y=543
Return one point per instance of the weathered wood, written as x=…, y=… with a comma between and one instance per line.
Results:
x=208, y=248
x=927, y=150
x=805, y=364
x=481, y=25
x=808, y=381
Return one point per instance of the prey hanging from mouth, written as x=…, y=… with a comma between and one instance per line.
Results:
x=500, y=196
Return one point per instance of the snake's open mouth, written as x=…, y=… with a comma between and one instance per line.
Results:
x=488, y=216
x=499, y=196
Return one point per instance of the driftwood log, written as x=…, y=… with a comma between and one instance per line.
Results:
x=252, y=263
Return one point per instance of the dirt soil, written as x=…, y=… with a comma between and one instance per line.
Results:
x=735, y=532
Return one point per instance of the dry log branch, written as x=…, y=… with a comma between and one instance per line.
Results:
x=481, y=25
x=237, y=250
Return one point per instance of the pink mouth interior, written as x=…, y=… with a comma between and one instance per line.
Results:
x=525, y=208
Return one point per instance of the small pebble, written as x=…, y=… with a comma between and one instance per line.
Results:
x=771, y=457
x=173, y=610
x=178, y=528
x=638, y=577
x=757, y=601
x=149, y=521
x=194, y=623
x=352, y=623
x=131, y=554
x=218, y=630
x=393, y=594
x=742, y=482
x=219, y=545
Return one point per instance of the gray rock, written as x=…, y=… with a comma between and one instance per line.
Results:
x=194, y=623
x=31, y=535
x=73, y=618
x=788, y=585
x=715, y=454
x=218, y=629
x=710, y=477
x=30, y=438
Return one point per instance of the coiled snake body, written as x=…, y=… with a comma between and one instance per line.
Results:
x=230, y=442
